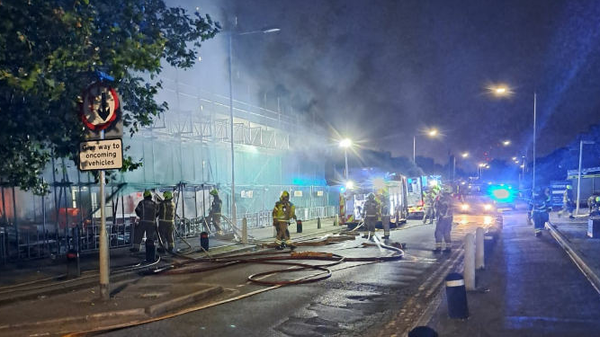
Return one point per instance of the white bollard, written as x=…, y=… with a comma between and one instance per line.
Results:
x=479, y=245
x=336, y=221
x=244, y=231
x=469, y=273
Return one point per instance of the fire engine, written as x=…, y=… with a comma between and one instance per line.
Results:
x=391, y=190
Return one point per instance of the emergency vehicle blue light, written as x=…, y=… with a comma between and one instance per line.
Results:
x=501, y=193
x=409, y=180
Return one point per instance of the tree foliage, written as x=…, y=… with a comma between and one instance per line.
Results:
x=52, y=50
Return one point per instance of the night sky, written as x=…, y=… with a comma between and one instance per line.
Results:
x=381, y=70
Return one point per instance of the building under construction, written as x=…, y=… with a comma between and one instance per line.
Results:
x=188, y=151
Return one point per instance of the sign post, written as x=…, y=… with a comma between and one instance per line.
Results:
x=98, y=112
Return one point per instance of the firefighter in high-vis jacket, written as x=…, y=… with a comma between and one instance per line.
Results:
x=428, y=214
x=147, y=211
x=539, y=208
x=166, y=221
x=370, y=212
x=214, y=215
x=444, y=216
x=283, y=212
x=568, y=203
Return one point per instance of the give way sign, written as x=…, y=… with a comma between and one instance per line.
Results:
x=99, y=107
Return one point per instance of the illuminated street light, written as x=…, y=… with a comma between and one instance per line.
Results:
x=506, y=143
x=349, y=184
x=500, y=90
x=481, y=165
x=514, y=158
x=346, y=143
x=465, y=154
x=432, y=133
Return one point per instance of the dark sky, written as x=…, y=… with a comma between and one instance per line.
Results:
x=381, y=70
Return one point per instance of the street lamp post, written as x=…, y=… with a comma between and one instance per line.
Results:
x=345, y=144
x=431, y=133
x=581, y=143
x=503, y=91
x=230, y=56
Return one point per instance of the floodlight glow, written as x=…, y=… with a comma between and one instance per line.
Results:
x=349, y=184
x=487, y=207
x=464, y=207
x=432, y=132
x=345, y=143
x=487, y=220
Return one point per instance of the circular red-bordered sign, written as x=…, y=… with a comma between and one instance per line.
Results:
x=99, y=107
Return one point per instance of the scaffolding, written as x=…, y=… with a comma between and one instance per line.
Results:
x=186, y=151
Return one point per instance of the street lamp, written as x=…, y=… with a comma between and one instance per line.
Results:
x=504, y=91
x=432, y=133
x=581, y=144
x=506, y=143
x=465, y=154
x=345, y=144
x=480, y=167
x=230, y=55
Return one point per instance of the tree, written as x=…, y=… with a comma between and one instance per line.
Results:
x=53, y=49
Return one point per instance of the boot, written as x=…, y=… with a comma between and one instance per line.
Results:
x=448, y=250
x=366, y=236
x=386, y=237
x=280, y=247
x=437, y=250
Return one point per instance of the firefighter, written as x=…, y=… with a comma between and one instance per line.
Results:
x=444, y=216
x=166, y=221
x=385, y=215
x=429, y=212
x=146, y=210
x=539, y=209
x=594, y=205
x=214, y=215
x=283, y=212
x=568, y=203
x=371, y=212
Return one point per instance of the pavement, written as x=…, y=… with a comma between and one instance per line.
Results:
x=74, y=304
x=531, y=286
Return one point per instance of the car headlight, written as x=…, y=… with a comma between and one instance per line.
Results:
x=464, y=207
x=487, y=207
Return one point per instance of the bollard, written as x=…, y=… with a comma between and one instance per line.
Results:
x=204, y=240
x=318, y=223
x=469, y=272
x=422, y=331
x=336, y=220
x=479, y=248
x=150, y=251
x=298, y=226
x=244, y=231
x=456, y=295
x=73, y=269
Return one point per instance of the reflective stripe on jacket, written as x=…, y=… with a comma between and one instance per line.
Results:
x=146, y=210
x=166, y=211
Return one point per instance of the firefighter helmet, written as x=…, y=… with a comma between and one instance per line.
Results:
x=214, y=192
x=284, y=195
x=371, y=196
x=597, y=199
x=147, y=193
x=569, y=187
x=168, y=195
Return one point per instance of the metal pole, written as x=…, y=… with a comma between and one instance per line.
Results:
x=579, y=176
x=104, y=257
x=534, y=136
x=415, y=149
x=233, y=210
x=346, y=160
x=453, y=168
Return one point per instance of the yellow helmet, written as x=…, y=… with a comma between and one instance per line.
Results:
x=147, y=193
x=167, y=195
x=214, y=192
x=284, y=194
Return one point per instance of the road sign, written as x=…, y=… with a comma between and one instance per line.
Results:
x=100, y=106
x=101, y=155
